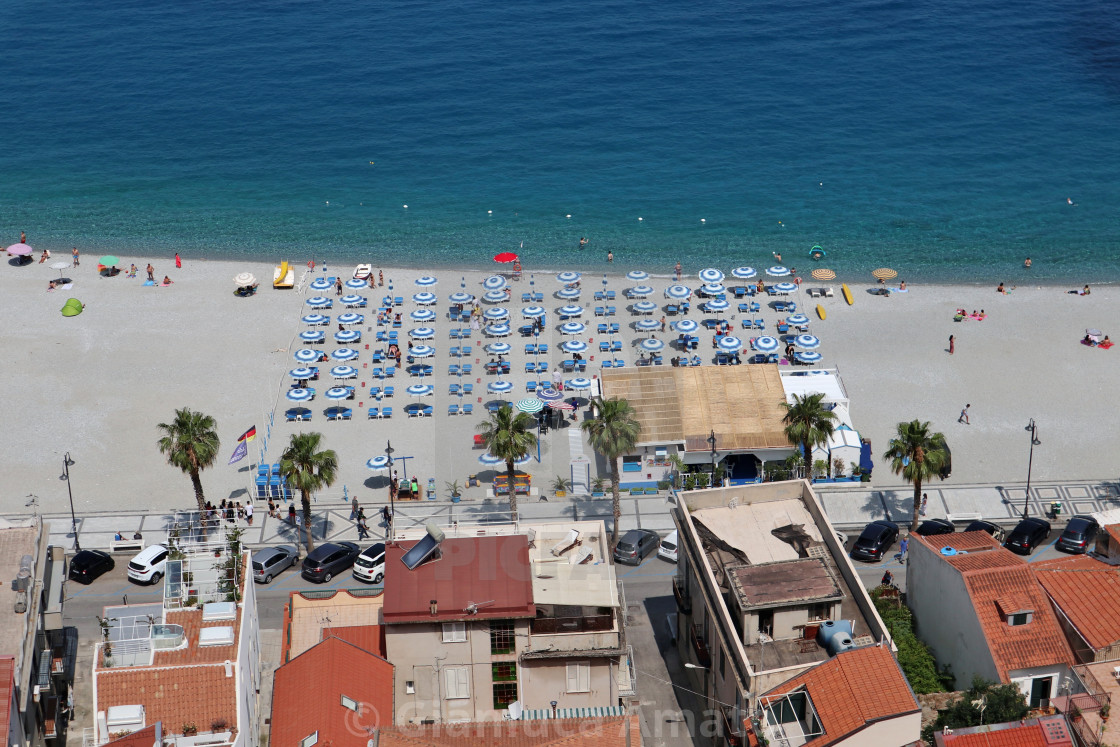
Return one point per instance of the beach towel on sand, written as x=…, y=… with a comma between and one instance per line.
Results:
x=149, y=282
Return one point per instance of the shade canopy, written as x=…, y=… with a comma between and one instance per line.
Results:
x=422, y=333
x=422, y=315
x=568, y=277
x=494, y=282
x=637, y=275
x=777, y=271
x=241, y=279
x=426, y=281
x=710, y=275
x=679, y=292
x=744, y=273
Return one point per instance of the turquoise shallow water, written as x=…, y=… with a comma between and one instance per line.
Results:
x=943, y=141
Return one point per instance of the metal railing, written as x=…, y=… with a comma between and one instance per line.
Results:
x=589, y=624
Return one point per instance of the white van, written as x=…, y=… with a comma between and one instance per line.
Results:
x=148, y=567
x=668, y=549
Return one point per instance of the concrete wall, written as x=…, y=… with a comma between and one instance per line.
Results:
x=542, y=681
x=945, y=618
x=248, y=663
x=895, y=732
x=1024, y=679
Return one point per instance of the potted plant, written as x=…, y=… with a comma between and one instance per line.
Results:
x=820, y=469
x=455, y=489
x=189, y=729
x=837, y=467
x=598, y=487
x=1105, y=710
x=561, y=485
x=1075, y=714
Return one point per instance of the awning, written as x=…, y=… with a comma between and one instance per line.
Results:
x=535, y=714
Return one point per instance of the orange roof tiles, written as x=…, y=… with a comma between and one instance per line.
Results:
x=7, y=686
x=984, y=561
x=307, y=695
x=1088, y=593
x=842, y=698
x=369, y=638
x=617, y=731
x=1048, y=731
x=1113, y=532
x=967, y=541
x=199, y=695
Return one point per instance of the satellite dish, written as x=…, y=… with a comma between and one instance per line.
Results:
x=515, y=710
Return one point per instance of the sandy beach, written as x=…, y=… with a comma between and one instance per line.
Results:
x=97, y=384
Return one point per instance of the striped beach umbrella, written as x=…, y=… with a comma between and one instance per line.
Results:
x=647, y=325
x=533, y=312
x=766, y=344
x=378, y=463
x=717, y=306
x=580, y=384
x=570, y=310
x=460, y=297
x=424, y=298
x=498, y=330
x=568, y=277
x=345, y=354
x=808, y=342
x=426, y=281
x=797, y=319
x=421, y=333
x=352, y=298
x=347, y=336
x=498, y=348
x=299, y=395
x=312, y=336
x=421, y=351
x=356, y=283
x=344, y=372
x=568, y=293
x=302, y=373
x=710, y=275
x=645, y=307
x=496, y=312
x=778, y=271
x=574, y=346
x=785, y=287
x=884, y=273
x=637, y=275
x=420, y=390
x=678, y=292
x=810, y=357
x=306, y=355
x=560, y=404
x=652, y=345
x=337, y=392
x=316, y=319
x=686, y=326
x=319, y=284
x=641, y=291
x=489, y=460
x=422, y=315
x=494, y=296
x=729, y=343
x=319, y=302
x=530, y=405
x=823, y=274
x=744, y=273
x=494, y=282
x=499, y=387
x=549, y=395
x=572, y=328
x=713, y=289
x=351, y=318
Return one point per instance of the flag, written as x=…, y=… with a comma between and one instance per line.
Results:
x=248, y=435
x=239, y=453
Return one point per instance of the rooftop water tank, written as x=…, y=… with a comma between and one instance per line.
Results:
x=840, y=641
x=829, y=628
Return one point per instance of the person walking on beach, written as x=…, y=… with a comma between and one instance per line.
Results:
x=249, y=513
x=74, y=254
x=380, y=278
x=952, y=344
x=338, y=286
x=178, y=261
x=964, y=416
x=22, y=237
x=151, y=272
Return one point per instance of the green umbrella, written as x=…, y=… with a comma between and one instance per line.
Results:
x=72, y=307
x=109, y=261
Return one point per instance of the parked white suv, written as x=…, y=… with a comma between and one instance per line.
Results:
x=668, y=549
x=370, y=565
x=149, y=566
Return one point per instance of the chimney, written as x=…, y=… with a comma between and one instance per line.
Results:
x=229, y=668
x=433, y=607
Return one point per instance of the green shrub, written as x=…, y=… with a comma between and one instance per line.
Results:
x=913, y=656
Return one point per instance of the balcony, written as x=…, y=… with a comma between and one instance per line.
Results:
x=732, y=730
x=684, y=601
x=594, y=624
x=573, y=633
x=700, y=646
x=51, y=716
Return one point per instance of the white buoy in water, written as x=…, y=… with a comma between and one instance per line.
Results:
x=569, y=215
x=405, y=207
x=703, y=220
x=640, y=218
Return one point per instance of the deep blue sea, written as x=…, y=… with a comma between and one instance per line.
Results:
x=943, y=139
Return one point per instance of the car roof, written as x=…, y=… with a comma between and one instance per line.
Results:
x=1082, y=517
x=878, y=527
x=150, y=552
x=267, y=552
x=671, y=536
x=375, y=549
x=1033, y=521
x=88, y=554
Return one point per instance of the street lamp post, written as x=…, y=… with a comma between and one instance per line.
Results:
x=66, y=462
x=1030, y=462
x=712, y=444
x=392, y=504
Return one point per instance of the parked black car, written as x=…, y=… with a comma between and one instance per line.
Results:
x=980, y=525
x=874, y=540
x=1079, y=534
x=931, y=527
x=1028, y=535
x=88, y=565
x=635, y=545
x=328, y=560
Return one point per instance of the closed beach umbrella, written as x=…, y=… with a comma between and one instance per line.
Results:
x=337, y=392
x=687, y=326
x=344, y=372
x=574, y=346
x=710, y=275
x=809, y=357
x=778, y=271
x=378, y=463
x=427, y=281
x=311, y=336
x=420, y=390
x=533, y=312
x=347, y=336
x=109, y=260
x=351, y=318
x=422, y=351
x=421, y=333
x=713, y=289
x=822, y=274
x=645, y=307
x=744, y=273
x=22, y=250
x=499, y=387
x=318, y=302
x=647, y=325
x=808, y=342
x=637, y=275
x=530, y=405
x=299, y=395
x=352, y=298
x=302, y=373
x=766, y=344
x=356, y=283
x=729, y=343
x=317, y=319
x=345, y=354
x=460, y=297
x=425, y=298
x=422, y=315
x=641, y=291
x=580, y=384
x=498, y=330
x=571, y=310
x=242, y=279
x=652, y=345
x=498, y=348
x=884, y=273
x=572, y=328
x=306, y=355
x=717, y=306
x=785, y=287
x=320, y=284
x=568, y=277
x=678, y=292
x=494, y=282
x=494, y=296
x=496, y=312
x=568, y=292
x=797, y=319
x=549, y=395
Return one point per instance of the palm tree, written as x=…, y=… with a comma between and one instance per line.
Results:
x=308, y=469
x=191, y=443
x=808, y=423
x=509, y=436
x=613, y=431
x=918, y=455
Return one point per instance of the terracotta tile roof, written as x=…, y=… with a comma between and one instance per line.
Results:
x=191, y=620
x=1048, y=731
x=145, y=737
x=967, y=541
x=307, y=695
x=490, y=570
x=841, y=696
x=369, y=638
x=1088, y=593
x=617, y=731
x=7, y=686
x=1084, y=562
x=199, y=695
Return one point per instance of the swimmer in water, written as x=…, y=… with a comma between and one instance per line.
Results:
x=777, y=256
x=582, y=241
x=1027, y=262
x=1069, y=201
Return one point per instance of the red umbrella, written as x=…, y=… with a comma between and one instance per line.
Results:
x=561, y=405
x=505, y=257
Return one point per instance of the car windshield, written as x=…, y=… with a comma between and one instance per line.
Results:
x=1077, y=526
x=625, y=546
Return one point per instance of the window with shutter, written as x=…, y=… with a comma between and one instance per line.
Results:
x=579, y=677
x=457, y=683
x=454, y=632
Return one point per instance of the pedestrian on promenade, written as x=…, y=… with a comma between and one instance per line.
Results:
x=249, y=513
x=964, y=416
x=952, y=344
x=363, y=529
x=292, y=513
x=354, y=508
x=922, y=510
x=903, y=546
x=272, y=510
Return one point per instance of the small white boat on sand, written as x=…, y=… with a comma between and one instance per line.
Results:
x=363, y=272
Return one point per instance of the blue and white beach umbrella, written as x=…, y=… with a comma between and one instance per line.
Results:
x=641, y=291
x=422, y=315
x=729, y=343
x=319, y=302
x=421, y=351
x=299, y=395
x=499, y=387
x=498, y=348
x=580, y=384
x=378, y=463
x=652, y=345
x=306, y=355
x=568, y=293
x=710, y=275
x=302, y=373
x=808, y=342
x=568, y=277
x=355, y=283
x=317, y=319
x=686, y=326
x=678, y=292
x=798, y=319
x=637, y=275
x=713, y=289
x=420, y=390
x=460, y=297
x=337, y=392
x=549, y=395
x=498, y=330
x=572, y=328
x=311, y=336
x=647, y=325
x=489, y=460
x=345, y=354
x=645, y=307
x=717, y=306
x=344, y=372
x=347, y=335
x=352, y=298
x=744, y=273
x=351, y=318
x=766, y=344
x=574, y=346
x=496, y=312
x=529, y=405
x=785, y=287
x=494, y=296
x=494, y=282
x=427, y=281
x=778, y=271
x=533, y=312
x=320, y=284
x=421, y=333
x=810, y=357
x=425, y=298
x=571, y=310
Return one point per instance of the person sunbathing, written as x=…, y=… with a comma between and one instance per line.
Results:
x=1000, y=289
x=167, y=280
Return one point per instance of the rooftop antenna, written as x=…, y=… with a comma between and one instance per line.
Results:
x=472, y=607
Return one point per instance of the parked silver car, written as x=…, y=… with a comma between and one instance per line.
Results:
x=269, y=561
